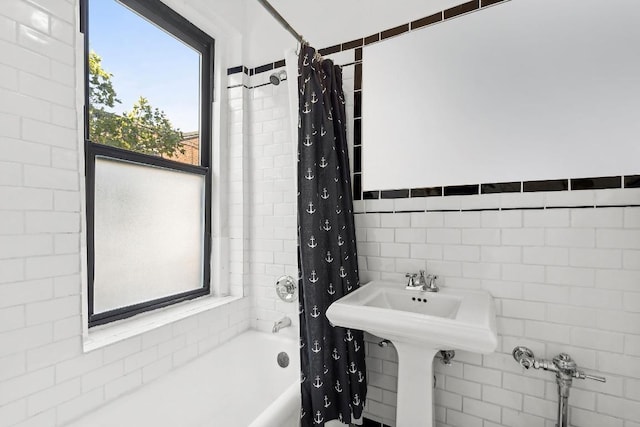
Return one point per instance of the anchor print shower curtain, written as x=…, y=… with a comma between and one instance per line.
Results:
x=333, y=373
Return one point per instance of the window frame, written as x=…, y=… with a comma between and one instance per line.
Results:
x=170, y=21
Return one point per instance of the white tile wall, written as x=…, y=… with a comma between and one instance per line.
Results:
x=563, y=279
x=45, y=378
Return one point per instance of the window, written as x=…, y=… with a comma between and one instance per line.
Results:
x=148, y=97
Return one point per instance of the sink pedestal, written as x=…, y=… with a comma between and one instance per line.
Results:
x=415, y=385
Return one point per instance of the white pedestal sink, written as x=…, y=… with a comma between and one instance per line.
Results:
x=419, y=324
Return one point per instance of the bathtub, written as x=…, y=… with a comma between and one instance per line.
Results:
x=238, y=384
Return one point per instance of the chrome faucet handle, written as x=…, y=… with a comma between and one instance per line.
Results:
x=431, y=285
x=412, y=280
x=581, y=375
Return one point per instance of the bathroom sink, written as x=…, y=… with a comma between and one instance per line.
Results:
x=449, y=319
x=419, y=324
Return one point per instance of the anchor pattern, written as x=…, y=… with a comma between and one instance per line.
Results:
x=333, y=371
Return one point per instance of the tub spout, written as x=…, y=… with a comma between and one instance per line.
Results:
x=282, y=323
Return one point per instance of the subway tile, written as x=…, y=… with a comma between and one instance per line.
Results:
x=589, y=418
x=622, y=239
x=486, y=3
x=461, y=253
x=523, y=309
x=600, y=218
x=463, y=387
x=357, y=104
x=461, y=9
x=523, y=237
x=394, y=31
x=462, y=220
x=549, y=185
x=481, y=409
x=518, y=418
x=570, y=198
x=632, y=218
x=480, y=236
x=372, y=39
x=503, y=288
x=427, y=219
x=427, y=20
x=617, y=197
x=26, y=385
x=546, y=293
x=394, y=194
x=596, y=183
x=514, y=382
x=595, y=258
x=559, y=275
x=352, y=44
x=574, y=237
x=632, y=181
x=502, y=187
x=547, y=218
x=397, y=220
x=410, y=204
x=426, y=192
x=357, y=186
x=545, y=255
x=461, y=419
x=461, y=190
x=540, y=407
x=501, y=219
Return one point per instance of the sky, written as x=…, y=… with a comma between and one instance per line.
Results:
x=145, y=61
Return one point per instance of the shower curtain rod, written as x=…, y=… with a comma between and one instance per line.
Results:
x=281, y=20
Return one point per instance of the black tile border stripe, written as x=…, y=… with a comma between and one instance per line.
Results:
x=394, y=194
x=521, y=208
x=427, y=20
x=329, y=50
x=598, y=183
x=461, y=190
x=487, y=3
x=235, y=70
x=395, y=31
x=460, y=9
x=632, y=181
x=501, y=187
x=545, y=185
x=426, y=192
x=352, y=44
x=601, y=183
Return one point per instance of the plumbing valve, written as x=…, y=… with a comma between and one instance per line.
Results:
x=565, y=369
x=563, y=365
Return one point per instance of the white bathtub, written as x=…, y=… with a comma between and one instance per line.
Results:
x=238, y=384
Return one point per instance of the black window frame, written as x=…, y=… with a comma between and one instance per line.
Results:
x=178, y=26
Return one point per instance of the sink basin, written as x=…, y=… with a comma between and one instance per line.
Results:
x=419, y=324
x=434, y=305
x=449, y=319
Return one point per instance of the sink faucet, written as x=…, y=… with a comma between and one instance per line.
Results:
x=282, y=323
x=425, y=284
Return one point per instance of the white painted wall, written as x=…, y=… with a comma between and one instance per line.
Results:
x=489, y=97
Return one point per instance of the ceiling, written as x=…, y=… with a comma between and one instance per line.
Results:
x=325, y=23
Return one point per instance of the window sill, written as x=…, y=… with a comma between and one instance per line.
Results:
x=102, y=336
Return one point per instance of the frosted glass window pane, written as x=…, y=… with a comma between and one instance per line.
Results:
x=149, y=233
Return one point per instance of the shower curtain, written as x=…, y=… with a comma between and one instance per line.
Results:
x=333, y=377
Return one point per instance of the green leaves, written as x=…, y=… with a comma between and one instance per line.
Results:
x=144, y=129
